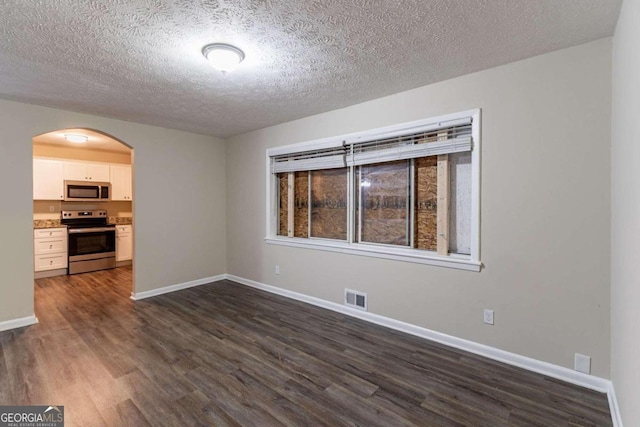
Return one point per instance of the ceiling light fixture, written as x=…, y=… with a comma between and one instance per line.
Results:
x=74, y=137
x=222, y=56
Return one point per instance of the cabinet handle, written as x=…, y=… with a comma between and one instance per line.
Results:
x=51, y=262
x=50, y=246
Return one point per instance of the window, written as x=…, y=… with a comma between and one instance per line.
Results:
x=383, y=203
x=407, y=192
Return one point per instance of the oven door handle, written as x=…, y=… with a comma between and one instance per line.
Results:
x=90, y=230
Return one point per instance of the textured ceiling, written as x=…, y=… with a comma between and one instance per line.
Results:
x=140, y=60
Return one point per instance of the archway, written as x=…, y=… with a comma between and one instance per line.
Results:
x=69, y=164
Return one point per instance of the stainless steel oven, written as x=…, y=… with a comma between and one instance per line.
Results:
x=92, y=241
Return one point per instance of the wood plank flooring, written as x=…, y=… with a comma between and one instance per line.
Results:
x=227, y=355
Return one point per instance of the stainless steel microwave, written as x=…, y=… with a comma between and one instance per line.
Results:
x=87, y=191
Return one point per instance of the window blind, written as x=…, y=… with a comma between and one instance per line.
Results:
x=330, y=158
x=431, y=143
x=430, y=140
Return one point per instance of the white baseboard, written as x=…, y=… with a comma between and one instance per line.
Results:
x=616, y=417
x=18, y=323
x=136, y=296
x=555, y=371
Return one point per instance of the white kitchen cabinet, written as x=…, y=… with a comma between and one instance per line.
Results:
x=51, y=262
x=82, y=171
x=48, y=179
x=124, y=243
x=50, y=249
x=121, y=188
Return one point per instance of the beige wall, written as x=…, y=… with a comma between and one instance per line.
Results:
x=60, y=152
x=625, y=214
x=173, y=171
x=545, y=211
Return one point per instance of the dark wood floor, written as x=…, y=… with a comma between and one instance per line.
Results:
x=227, y=355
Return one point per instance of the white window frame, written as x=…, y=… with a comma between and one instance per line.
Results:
x=463, y=262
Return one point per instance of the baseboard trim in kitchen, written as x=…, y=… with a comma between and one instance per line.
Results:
x=50, y=273
x=555, y=371
x=136, y=296
x=18, y=323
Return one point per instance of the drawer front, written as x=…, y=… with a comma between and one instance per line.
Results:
x=49, y=232
x=50, y=262
x=50, y=246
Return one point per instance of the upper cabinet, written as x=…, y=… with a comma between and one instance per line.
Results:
x=80, y=171
x=48, y=181
x=121, y=188
x=49, y=176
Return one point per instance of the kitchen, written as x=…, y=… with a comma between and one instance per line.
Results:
x=82, y=203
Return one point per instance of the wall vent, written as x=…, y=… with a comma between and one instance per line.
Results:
x=355, y=299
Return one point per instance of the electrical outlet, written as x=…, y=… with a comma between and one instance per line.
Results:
x=277, y=269
x=488, y=316
x=52, y=208
x=582, y=363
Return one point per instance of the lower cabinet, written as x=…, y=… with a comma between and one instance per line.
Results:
x=50, y=262
x=124, y=243
x=50, y=249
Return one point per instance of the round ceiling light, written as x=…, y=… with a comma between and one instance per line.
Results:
x=74, y=137
x=222, y=56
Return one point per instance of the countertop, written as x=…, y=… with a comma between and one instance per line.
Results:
x=55, y=223
x=120, y=220
x=47, y=223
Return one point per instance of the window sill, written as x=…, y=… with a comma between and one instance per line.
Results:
x=459, y=262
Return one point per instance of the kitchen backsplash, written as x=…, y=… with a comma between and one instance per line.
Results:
x=48, y=210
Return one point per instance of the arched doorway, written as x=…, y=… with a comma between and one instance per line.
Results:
x=83, y=178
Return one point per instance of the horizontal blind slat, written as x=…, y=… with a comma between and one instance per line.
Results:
x=435, y=127
x=328, y=162
x=457, y=145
